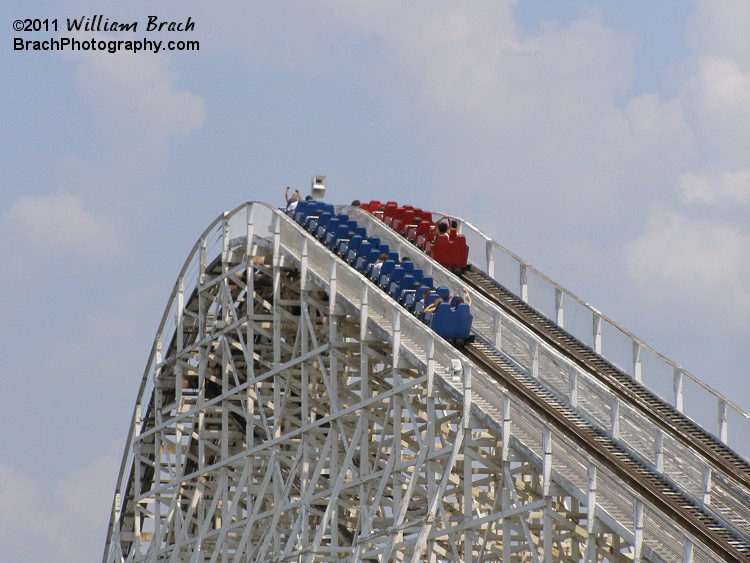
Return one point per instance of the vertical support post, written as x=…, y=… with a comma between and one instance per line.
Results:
x=364, y=315
x=524, y=283
x=180, y=340
x=433, y=491
x=250, y=229
x=573, y=385
x=303, y=267
x=225, y=316
x=616, y=545
x=547, y=531
x=490, y=259
x=506, y=427
x=332, y=289
x=506, y=490
x=158, y=355
x=202, y=262
x=396, y=334
x=707, y=484
x=591, y=515
x=225, y=507
x=225, y=403
x=546, y=487
x=203, y=358
x=333, y=370
x=638, y=526
x=614, y=412
x=687, y=550
x=497, y=329
x=534, y=358
x=546, y=461
x=397, y=402
x=659, y=450
x=597, y=333
x=468, y=477
x=723, y=424
x=677, y=383
x=637, y=367
x=224, y=240
x=276, y=260
x=332, y=328
x=304, y=389
x=559, y=307
x=466, y=420
x=117, y=507
x=277, y=381
x=202, y=364
x=364, y=373
x=159, y=438
x=137, y=421
x=250, y=334
x=430, y=434
x=507, y=480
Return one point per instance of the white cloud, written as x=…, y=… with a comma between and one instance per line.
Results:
x=137, y=100
x=85, y=501
x=720, y=28
x=729, y=186
x=705, y=253
x=455, y=56
x=694, y=257
x=137, y=110
x=716, y=99
x=65, y=523
x=475, y=62
x=717, y=103
x=655, y=124
x=695, y=187
x=23, y=520
x=61, y=221
x=524, y=115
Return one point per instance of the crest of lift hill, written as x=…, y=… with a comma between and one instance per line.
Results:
x=98, y=22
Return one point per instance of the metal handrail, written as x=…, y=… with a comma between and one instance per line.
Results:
x=218, y=231
x=519, y=285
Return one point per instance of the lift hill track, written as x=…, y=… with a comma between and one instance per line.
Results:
x=213, y=463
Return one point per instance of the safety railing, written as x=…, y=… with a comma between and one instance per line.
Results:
x=422, y=345
x=514, y=340
x=577, y=388
x=672, y=383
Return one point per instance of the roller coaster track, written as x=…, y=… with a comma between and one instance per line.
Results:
x=732, y=468
x=290, y=411
x=726, y=465
x=672, y=421
x=649, y=483
x=672, y=433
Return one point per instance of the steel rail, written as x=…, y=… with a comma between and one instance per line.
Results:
x=650, y=405
x=476, y=236
x=642, y=479
x=717, y=456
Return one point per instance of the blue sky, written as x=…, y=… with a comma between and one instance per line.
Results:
x=605, y=142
